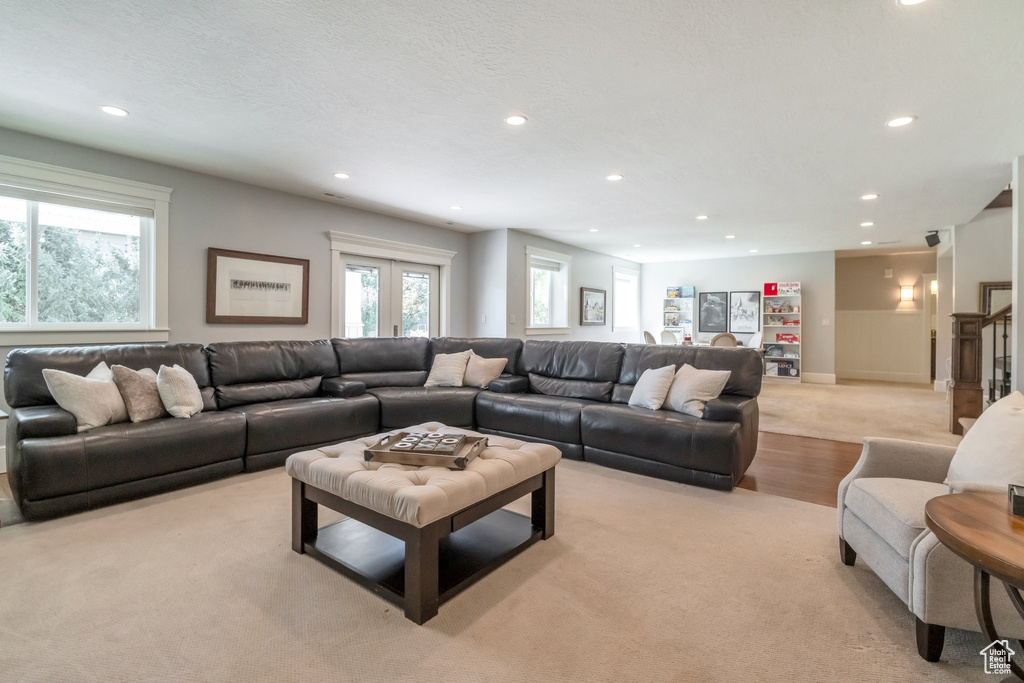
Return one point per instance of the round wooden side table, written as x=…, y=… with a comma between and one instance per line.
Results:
x=979, y=528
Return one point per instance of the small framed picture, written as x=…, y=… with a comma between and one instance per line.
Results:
x=673, y=292
x=256, y=289
x=671, y=320
x=592, y=306
x=713, y=311
x=744, y=312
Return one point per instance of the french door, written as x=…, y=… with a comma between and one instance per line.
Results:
x=389, y=298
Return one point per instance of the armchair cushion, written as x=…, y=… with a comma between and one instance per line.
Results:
x=893, y=508
x=991, y=452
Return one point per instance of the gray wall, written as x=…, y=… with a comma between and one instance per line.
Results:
x=861, y=284
x=982, y=252
x=488, y=277
x=588, y=269
x=815, y=271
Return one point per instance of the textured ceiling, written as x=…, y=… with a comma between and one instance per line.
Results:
x=768, y=116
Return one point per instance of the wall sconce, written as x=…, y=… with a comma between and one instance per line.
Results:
x=906, y=292
x=935, y=286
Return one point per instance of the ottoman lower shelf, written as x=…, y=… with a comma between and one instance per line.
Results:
x=377, y=560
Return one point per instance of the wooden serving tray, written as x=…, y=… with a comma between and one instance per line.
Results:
x=433, y=453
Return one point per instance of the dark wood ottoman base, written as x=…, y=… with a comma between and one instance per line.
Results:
x=418, y=568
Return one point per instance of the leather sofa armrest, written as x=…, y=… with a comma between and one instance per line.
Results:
x=342, y=388
x=510, y=384
x=729, y=408
x=40, y=422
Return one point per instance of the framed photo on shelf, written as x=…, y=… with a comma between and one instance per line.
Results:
x=671, y=320
x=713, y=313
x=744, y=312
x=256, y=289
x=592, y=306
x=673, y=292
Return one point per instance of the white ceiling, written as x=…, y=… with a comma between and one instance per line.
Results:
x=768, y=116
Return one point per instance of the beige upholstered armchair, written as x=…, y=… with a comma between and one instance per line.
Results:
x=881, y=519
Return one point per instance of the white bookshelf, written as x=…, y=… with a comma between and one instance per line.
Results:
x=781, y=325
x=678, y=309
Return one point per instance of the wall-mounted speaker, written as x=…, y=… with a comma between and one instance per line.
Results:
x=932, y=239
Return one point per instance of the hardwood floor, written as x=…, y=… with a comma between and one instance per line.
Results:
x=799, y=467
x=5, y=488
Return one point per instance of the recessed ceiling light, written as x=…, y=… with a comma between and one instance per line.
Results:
x=869, y=196
x=516, y=120
x=593, y=230
x=866, y=224
x=456, y=208
x=636, y=246
x=866, y=243
x=341, y=176
x=901, y=121
x=730, y=237
x=701, y=217
x=753, y=251
x=615, y=176
x=113, y=111
x=907, y=3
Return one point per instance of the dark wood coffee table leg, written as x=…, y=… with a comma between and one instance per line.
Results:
x=983, y=607
x=543, y=505
x=305, y=518
x=421, y=571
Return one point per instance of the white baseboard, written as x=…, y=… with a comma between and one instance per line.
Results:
x=940, y=386
x=881, y=376
x=819, y=378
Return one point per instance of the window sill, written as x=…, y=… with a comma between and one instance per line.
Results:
x=71, y=337
x=547, y=330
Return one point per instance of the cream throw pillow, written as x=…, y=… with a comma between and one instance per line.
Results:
x=94, y=399
x=992, y=452
x=481, y=371
x=692, y=389
x=651, y=389
x=448, y=369
x=140, y=393
x=178, y=391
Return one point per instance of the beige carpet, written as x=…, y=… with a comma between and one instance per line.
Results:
x=853, y=409
x=645, y=580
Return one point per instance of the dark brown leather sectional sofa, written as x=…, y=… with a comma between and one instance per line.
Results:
x=266, y=400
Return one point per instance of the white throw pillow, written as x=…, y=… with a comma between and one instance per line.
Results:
x=178, y=391
x=992, y=451
x=692, y=389
x=94, y=399
x=481, y=371
x=448, y=369
x=651, y=389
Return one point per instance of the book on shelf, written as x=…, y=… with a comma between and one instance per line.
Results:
x=787, y=338
x=773, y=350
x=784, y=368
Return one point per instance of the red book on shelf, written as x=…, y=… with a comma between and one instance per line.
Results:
x=771, y=289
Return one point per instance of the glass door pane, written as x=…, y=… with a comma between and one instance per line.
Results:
x=362, y=301
x=415, y=304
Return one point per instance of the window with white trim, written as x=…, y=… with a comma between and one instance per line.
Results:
x=548, y=282
x=626, y=299
x=79, y=257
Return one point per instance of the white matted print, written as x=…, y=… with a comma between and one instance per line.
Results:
x=744, y=312
x=256, y=288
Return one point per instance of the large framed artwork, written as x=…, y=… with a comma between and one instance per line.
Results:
x=714, y=311
x=995, y=296
x=247, y=288
x=744, y=312
x=592, y=306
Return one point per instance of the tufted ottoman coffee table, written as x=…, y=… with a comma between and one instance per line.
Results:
x=420, y=535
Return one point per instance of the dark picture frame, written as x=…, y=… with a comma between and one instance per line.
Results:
x=989, y=293
x=593, y=306
x=744, y=312
x=257, y=290
x=713, y=312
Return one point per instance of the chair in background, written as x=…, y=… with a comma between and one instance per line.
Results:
x=723, y=339
x=649, y=338
x=669, y=338
x=755, y=340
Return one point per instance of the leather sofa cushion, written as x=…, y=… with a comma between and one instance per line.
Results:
x=392, y=378
x=590, y=361
x=23, y=374
x=341, y=388
x=125, y=452
x=37, y=422
x=270, y=361
x=486, y=347
x=305, y=421
x=547, y=417
x=745, y=365
x=510, y=384
x=401, y=407
x=893, y=508
x=381, y=354
x=571, y=388
x=261, y=392
x=663, y=436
